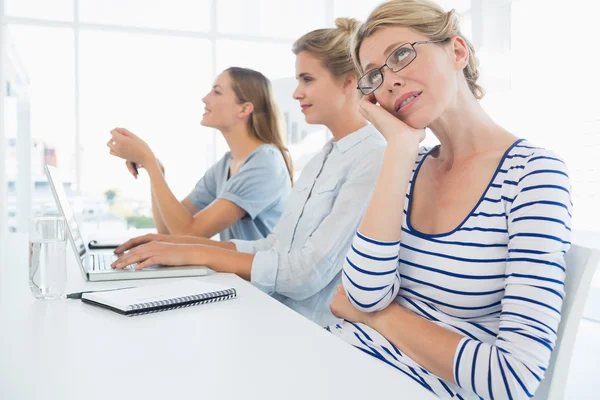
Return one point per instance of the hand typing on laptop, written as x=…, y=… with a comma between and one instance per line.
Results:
x=169, y=254
x=173, y=249
x=157, y=237
x=96, y=264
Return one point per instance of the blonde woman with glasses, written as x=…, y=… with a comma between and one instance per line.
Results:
x=456, y=274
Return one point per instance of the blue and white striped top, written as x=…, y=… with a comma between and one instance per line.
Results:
x=497, y=279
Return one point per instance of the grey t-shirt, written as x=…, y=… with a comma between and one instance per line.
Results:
x=261, y=188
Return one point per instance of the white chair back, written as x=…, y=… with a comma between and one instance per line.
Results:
x=581, y=264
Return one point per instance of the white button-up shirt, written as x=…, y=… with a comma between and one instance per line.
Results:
x=300, y=262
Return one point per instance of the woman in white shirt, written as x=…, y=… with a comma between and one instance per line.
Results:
x=301, y=261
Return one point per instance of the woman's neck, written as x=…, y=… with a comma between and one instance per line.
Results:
x=240, y=143
x=345, y=124
x=462, y=138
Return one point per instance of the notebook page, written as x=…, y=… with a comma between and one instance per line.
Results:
x=126, y=298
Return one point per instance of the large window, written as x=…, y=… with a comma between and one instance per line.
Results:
x=144, y=65
x=274, y=60
x=271, y=18
x=93, y=65
x=179, y=15
x=542, y=84
x=357, y=9
x=47, y=54
x=151, y=85
x=60, y=10
x=48, y=57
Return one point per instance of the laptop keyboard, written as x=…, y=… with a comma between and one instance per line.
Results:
x=102, y=261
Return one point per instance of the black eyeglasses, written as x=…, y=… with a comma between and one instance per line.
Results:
x=397, y=61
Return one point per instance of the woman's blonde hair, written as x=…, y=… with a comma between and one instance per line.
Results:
x=253, y=87
x=425, y=17
x=331, y=46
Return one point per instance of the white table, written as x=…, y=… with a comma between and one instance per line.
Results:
x=249, y=348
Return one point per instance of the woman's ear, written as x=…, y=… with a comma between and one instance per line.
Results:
x=460, y=50
x=350, y=82
x=246, y=110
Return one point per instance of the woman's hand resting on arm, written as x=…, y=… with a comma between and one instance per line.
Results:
x=342, y=308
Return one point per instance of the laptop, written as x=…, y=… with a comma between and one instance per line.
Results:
x=95, y=263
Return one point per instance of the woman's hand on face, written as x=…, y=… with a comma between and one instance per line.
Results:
x=152, y=253
x=389, y=125
x=124, y=144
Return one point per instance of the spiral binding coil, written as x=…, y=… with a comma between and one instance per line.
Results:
x=181, y=302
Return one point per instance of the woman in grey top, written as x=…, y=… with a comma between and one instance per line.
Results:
x=301, y=261
x=243, y=195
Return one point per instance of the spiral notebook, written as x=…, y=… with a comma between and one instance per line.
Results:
x=161, y=297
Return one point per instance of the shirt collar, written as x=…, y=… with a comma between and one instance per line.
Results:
x=348, y=142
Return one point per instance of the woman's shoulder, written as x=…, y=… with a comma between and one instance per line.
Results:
x=265, y=152
x=267, y=156
x=527, y=157
x=526, y=164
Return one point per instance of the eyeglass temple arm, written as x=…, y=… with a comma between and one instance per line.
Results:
x=430, y=41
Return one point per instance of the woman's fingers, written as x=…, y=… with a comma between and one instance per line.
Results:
x=113, y=145
x=126, y=132
x=131, y=243
x=134, y=256
x=385, y=122
x=368, y=107
x=144, y=264
x=131, y=169
x=371, y=98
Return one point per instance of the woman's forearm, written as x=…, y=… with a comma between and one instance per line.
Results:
x=383, y=218
x=370, y=275
x=176, y=218
x=226, y=260
x=161, y=227
x=428, y=344
x=188, y=239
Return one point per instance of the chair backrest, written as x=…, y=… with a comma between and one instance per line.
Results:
x=581, y=264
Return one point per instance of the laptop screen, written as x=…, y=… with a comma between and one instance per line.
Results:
x=60, y=195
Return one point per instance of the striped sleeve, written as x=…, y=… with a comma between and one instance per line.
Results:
x=370, y=274
x=539, y=226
